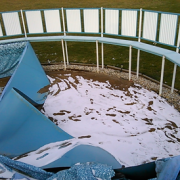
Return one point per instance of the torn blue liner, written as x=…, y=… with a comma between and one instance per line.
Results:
x=84, y=171
x=25, y=128
x=29, y=77
x=10, y=55
x=168, y=169
x=85, y=153
x=27, y=169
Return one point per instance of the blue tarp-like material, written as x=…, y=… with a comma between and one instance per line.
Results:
x=23, y=128
x=10, y=54
x=85, y=153
x=86, y=171
x=29, y=77
x=168, y=169
x=9, y=167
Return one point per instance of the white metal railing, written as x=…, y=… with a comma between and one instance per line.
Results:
x=159, y=27
x=154, y=26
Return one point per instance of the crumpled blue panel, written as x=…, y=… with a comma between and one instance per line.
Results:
x=168, y=169
x=10, y=54
x=85, y=153
x=27, y=169
x=85, y=171
x=25, y=128
x=29, y=77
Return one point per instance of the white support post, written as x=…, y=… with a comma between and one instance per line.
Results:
x=130, y=59
x=139, y=39
x=23, y=24
x=64, y=58
x=162, y=75
x=175, y=65
x=102, y=54
x=97, y=56
x=102, y=22
x=67, y=58
x=174, y=77
x=138, y=57
x=102, y=45
x=64, y=29
x=140, y=24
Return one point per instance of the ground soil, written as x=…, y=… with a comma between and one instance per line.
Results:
x=117, y=83
x=3, y=81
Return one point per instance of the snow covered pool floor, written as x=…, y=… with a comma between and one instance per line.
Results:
x=135, y=125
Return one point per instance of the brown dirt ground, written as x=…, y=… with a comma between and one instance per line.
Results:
x=3, y=81
x=117, y=83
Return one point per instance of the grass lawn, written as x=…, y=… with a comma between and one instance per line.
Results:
x=85, y=52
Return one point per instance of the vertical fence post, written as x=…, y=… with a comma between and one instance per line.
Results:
x=130, y=59
x=139, y=39
x=97, y=56
x=175, y=65
x=137, y=70
x=102, y=45
x=174, y=77
x=64, y=29
x=62, y=10
x=140, y=24
x=66, y=50
x=102, y=54
x=162, y=75
x=62, y=41
x=22, y=17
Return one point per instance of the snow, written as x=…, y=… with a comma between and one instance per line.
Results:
x=135, y=126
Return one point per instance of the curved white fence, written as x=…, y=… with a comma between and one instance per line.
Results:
x=60, y=24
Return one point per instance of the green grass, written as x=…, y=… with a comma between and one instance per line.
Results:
x=160, y=5
x=86, y=52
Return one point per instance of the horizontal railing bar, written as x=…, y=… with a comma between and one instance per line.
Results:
x=157, y=42
x=14, y=35
x=80, y=8
x=10, y=11
x=122, y=9
x=82, y=32
x=161, y=12
x=41, y=9
x=45, y=33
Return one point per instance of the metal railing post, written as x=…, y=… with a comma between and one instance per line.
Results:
x=22, y=17
x=66, y=50
x=139, y=39
x=138, y=59
x=174, y=77
x=175, y=65
x=162, y=75
x=102, y=45
x=97, y=56
x=130, y=59
x=62, y=41
x=64, y=29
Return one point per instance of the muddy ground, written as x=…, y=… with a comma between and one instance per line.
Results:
x=117, y=83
